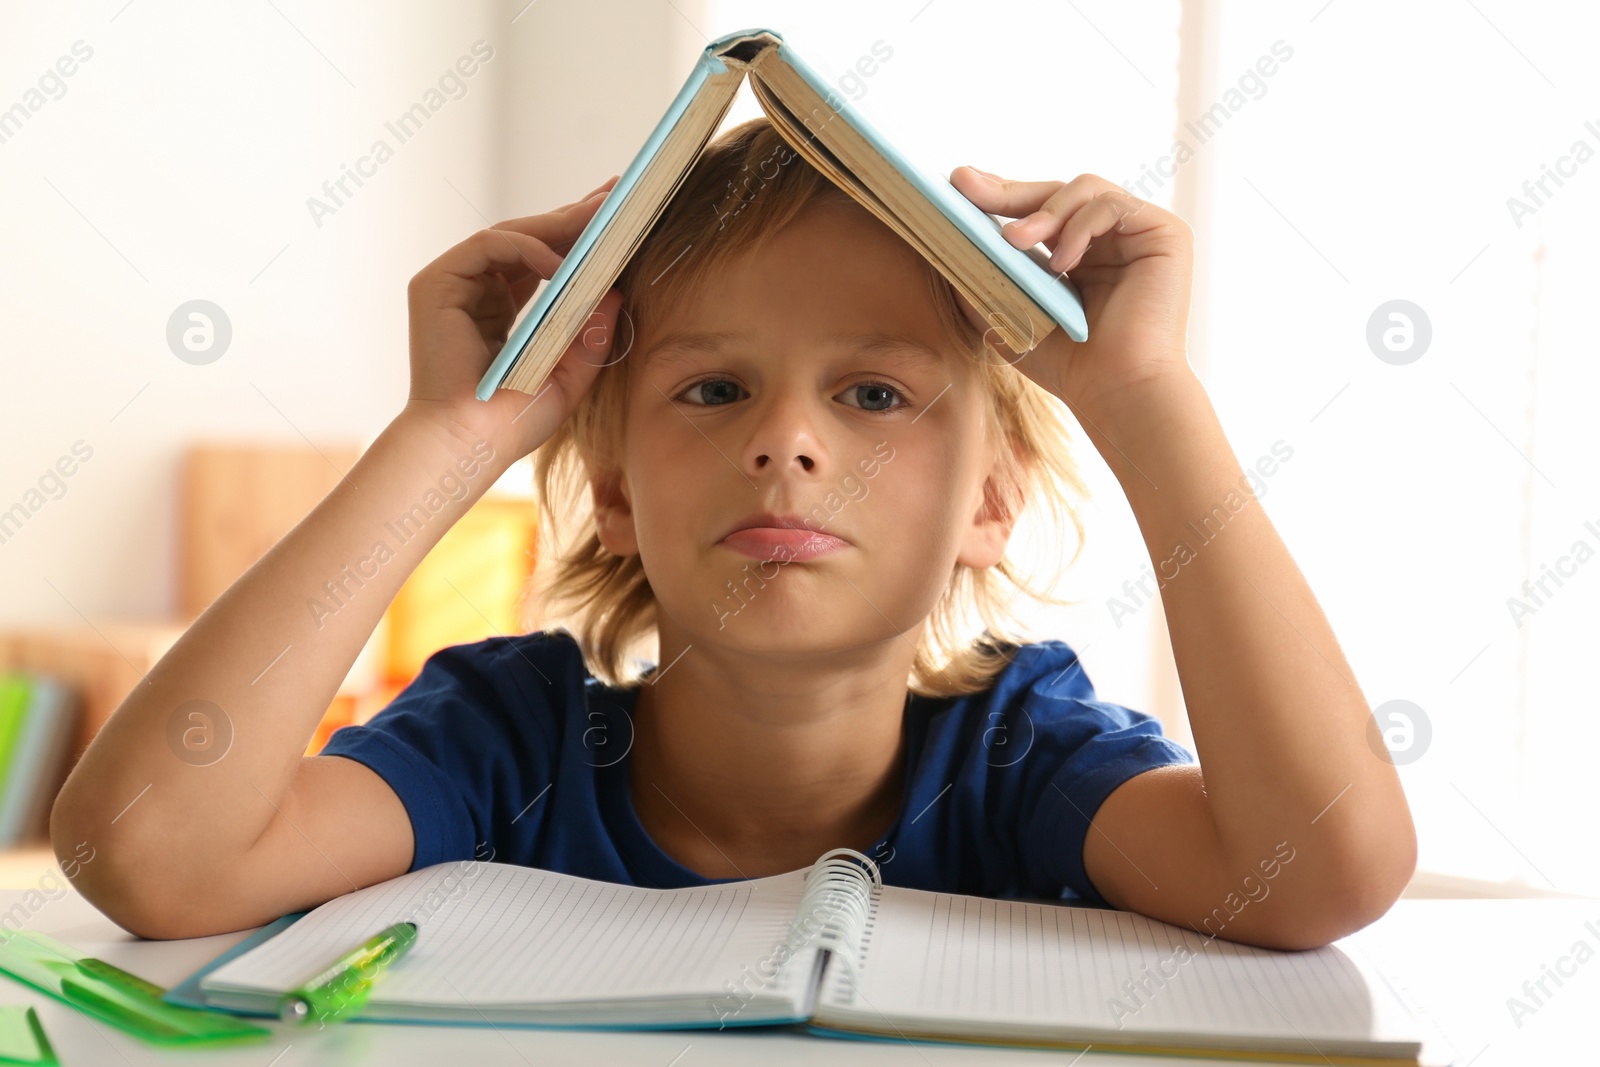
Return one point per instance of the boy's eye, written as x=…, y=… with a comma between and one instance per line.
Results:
x=706, y=388
x=715, y=392
x=879, y=393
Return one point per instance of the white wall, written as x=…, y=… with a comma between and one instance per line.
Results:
x=177, y=164
x=1378, y=165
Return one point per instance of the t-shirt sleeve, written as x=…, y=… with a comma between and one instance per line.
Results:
x=471, y=726
x=1087, y=747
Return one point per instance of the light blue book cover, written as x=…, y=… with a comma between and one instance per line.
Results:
x=1053, y=292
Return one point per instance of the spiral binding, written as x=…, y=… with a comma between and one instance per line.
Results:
x=838, y=894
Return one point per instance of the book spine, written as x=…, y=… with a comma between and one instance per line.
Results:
x=537, y=343
x=835, y=908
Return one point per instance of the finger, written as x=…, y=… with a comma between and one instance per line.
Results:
x=494, y=311
x=523, y=289
x=1039, y=208
x=1106, y=212
x=999, y=196
x=1049, y=222
x=604, y=186
x=558, y=228
x=511, y=254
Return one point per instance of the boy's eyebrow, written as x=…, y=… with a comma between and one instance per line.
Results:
x=677, y=347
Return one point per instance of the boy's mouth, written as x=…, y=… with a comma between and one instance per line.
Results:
x=781, y=544
x=786, y=538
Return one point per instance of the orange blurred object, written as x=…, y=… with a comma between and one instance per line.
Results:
x=468, y=587
x=348, y=710
x=465, y=590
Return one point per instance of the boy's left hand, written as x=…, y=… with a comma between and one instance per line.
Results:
x=1132, y=262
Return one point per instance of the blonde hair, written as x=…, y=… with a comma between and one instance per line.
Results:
x=758, y=184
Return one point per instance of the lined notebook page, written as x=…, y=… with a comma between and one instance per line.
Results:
x=519, y=935
x=939, y=956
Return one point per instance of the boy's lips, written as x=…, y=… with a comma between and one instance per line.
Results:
x=785, y=545
x=766, y=535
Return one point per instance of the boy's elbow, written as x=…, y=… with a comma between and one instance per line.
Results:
x=1388, y=872
x=138, y=903
x=146, y=917
x=129, y=885
x=1356, y=894
x=1377, y=872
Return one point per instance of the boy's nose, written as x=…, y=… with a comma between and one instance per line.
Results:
x=786, y=435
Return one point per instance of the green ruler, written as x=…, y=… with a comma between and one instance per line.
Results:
x=114, y=996
x=22, y=1039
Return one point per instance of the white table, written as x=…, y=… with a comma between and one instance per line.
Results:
x=1456, y=962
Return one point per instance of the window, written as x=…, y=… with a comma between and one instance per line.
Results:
x=1339, y=159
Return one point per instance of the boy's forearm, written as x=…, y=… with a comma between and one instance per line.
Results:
x=1280, y=724
x=264, y=662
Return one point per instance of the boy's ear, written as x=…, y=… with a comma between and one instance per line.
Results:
x=613, y=514
x=990, y=532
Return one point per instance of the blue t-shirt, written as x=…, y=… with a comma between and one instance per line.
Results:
x=510, y=744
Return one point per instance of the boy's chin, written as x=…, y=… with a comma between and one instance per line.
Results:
x=771, y=625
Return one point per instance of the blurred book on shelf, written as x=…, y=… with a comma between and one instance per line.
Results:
x=99, y=661
x=60, y=682
x=236, y=501
x=37, y=723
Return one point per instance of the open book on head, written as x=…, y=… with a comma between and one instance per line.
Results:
x=1015, y=290
x=833, y=948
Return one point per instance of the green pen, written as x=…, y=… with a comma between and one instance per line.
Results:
x=342, y=987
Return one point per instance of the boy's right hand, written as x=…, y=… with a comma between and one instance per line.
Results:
x=462, y=306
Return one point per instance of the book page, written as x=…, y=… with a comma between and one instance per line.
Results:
x=962, y=959
x=497, y=934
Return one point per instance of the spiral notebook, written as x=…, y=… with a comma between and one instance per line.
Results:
x=834, y=950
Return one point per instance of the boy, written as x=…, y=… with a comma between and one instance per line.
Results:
x=798, y=468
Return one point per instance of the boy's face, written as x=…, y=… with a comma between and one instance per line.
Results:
x=881, y=447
